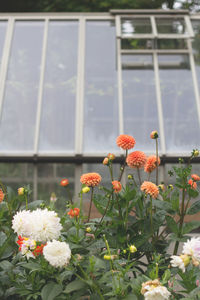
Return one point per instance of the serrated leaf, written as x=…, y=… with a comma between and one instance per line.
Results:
x=194, y=208
x=2, y=238
x=74, y=286
x=171, y=224
x=193, y=193
x=50, y=291
x=188, y=227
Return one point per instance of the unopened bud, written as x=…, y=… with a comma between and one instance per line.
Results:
x=111, y=156
x=85, y=190
x=154, y=135
x=105, y=161
x=132, y=249
x=21, y=191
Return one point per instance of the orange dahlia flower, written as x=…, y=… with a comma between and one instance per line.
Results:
x=150, y=164
x=1, y=195
x=125, y=141
x=154, y=135
x=195, y=177
x=64, y=182
x=116, y=186
x=38, y=250
x=150, y=189
x=74, y=212
x=136, y=159
x=90, y=179
x=193, y=184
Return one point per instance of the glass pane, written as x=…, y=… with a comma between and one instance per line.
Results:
x=3, y=26
x=135, y=26
x=49, y=182
x=136, y=61
x=179, y=108
x=171, y=25
x=139, y=99
x=196, y=48
x=135, y=44
x=17, y=127
x=16, y=175
x=100, y=108
x=57, y=128
x=171, y=44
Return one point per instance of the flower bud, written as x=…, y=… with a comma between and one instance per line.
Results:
x=88, y=229
x=21, y=191
x=170, y=187
x=161, y=187
x=105, y=161
x=64, y=182
x=154, y=135
x=53, y=197
x=186, y=259
x=132, y=249
x=195, y=152
x=107, y=257
x=130, y=176
x=124, y=251
x=1, y=195
x=111, y=156
x=85, y=190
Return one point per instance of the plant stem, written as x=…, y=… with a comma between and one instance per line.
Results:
x=111, y=172
x=6, y=198
x=26, y=199
x=104, y=213
x=182, y=215
x=156, y=161
x=138, y=171
x=81, y=203
x=123, y=167
x=92, y=191
x=151, y=220
x=69, y=195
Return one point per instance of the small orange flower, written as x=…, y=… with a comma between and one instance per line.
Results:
x=125, y=141
x=105, y=161
x=150, y=188
x=151, y=163
x=74, y=212
x=193, y=184
x=90, y=179
x=154, y=135
x=116, y=186
x=64, y=182
x=1, y=195
x=136, y=159
x=38, y=250
x=195, y=177
x=111, y=156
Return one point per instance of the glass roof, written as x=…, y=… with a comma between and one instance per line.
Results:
x=69, y=85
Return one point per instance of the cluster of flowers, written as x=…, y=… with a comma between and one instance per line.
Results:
x=193, y=181
x=37, y=227
x=190, y=254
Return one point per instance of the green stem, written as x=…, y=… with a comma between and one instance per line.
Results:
x=123, y=167
x=92, y=191
x=111, y=172
x=182, y=215
x=156, y=161
x=138, y=171
x=69, y=195
x=104, y=213
x=151, y=220
x=81, y=203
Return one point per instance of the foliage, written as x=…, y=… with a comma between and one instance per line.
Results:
x=114, y=255
x=91, y=5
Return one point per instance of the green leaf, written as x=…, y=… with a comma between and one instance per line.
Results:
x=162, y=205
x=50, y=291
x=5, y=265
x=194, y=208
x=188, y=227
x=166, y=276
x=131, y=297
x=171, y=224
x=2, y=238
x=193, y=193
x=74, y=286
x=175, y=200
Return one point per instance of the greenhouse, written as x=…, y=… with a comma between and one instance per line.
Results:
x=100, y=152
x=71, y=83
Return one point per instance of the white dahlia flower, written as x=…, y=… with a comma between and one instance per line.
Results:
x=177, y=262
x=45, y=225
x=156, y=293
x=57, y=253
x=21, y=223
x=39, y=225
x=192, y=247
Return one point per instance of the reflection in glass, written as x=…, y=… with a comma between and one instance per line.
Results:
x=17, y=128
x=100, y=107
x=171, y=44
x=179, y=108
x=196, y=48
x=135, y=26
x=137, y=44
x=57, y=128
x=139, y=99
x=171, y=25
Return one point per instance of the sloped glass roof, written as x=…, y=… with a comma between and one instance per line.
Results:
x=69, y=84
